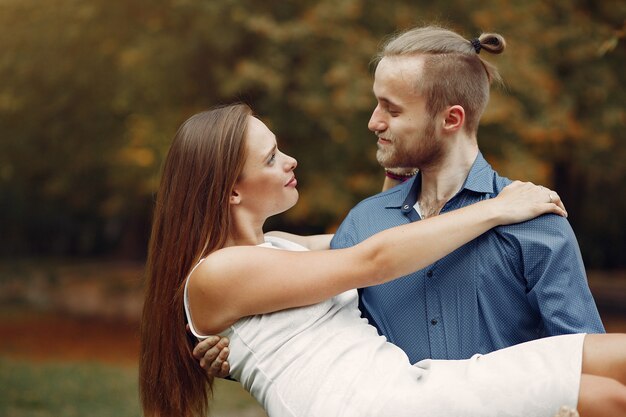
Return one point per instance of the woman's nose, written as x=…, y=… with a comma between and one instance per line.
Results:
x=292, y=163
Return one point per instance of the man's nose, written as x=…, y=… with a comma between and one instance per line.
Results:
x=377, y=122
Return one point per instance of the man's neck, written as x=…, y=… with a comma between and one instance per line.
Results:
x=442, y=181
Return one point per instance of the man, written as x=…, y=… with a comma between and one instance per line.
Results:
x=513, y=284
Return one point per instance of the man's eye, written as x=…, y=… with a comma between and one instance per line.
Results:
x=393, y=111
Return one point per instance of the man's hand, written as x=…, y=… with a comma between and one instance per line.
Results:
x=212, y=353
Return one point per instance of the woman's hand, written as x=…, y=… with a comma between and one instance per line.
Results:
x=521, y=201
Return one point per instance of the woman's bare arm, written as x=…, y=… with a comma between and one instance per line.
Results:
x=245, y=280
x=213, y=351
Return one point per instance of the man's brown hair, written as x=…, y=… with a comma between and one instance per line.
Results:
x=454, y=73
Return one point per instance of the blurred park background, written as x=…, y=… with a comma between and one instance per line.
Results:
x=92, y=91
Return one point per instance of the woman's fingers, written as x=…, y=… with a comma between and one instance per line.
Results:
x=555, y=198
x=526, y=200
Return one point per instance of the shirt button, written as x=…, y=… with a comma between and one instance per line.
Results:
x=405, y=207
x=429, y=274
x=434, y=322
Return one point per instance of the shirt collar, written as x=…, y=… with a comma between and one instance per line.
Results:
x=479, y=179
x=406, y=191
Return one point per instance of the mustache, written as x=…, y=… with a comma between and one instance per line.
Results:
x=386, y=137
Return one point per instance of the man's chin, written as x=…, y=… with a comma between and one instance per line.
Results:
x=384, y=159
x=389, y=163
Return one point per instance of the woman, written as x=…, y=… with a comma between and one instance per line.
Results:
x=210, y=262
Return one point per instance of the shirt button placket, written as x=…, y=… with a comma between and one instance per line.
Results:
x=433, y=315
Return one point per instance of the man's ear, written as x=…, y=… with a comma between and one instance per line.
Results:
x=454, y=119
x=235, y=197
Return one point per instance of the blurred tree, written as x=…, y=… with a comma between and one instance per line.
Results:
x=93, y=91
x=564, y=69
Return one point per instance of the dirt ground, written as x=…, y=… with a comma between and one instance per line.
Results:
x=42, y=337
x=90, y=311
x=38, y=336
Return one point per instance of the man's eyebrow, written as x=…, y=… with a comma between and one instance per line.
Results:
x=389, y=102
x=385, y=100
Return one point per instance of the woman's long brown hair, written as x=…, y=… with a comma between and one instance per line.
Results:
x=191, y=220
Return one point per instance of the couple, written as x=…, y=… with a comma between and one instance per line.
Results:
x=209, y=262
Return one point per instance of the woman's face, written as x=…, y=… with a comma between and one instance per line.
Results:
x=267, y=184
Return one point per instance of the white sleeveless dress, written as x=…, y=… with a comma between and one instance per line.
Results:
x=324, y=360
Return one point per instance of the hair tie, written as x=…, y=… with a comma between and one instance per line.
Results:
x=476, y=44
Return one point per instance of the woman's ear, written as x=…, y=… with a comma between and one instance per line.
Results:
x=235, y=198
x=454, y=118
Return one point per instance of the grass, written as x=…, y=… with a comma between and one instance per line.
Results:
x=73, y=389
x=69, y=343
x=35, y=389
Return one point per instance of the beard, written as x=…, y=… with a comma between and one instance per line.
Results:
x=421, y=151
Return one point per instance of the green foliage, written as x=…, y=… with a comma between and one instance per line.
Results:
x=92, y=92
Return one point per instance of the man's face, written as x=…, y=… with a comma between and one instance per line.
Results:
x=407, y=134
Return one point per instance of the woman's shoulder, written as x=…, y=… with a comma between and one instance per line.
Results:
x=233, y=261
x=214, y=286
x=224, y=260
x=282, y=243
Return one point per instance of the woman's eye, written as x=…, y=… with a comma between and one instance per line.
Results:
x=272, y=158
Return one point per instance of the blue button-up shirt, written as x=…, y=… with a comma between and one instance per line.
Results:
x=512, y=284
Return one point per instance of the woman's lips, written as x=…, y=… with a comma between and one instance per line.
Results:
x=292, y=182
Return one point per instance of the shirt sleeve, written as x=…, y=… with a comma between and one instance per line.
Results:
x=345, y=236
x=556, y=279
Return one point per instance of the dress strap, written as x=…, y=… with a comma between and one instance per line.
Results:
x=186, y=303
x=270, y=241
